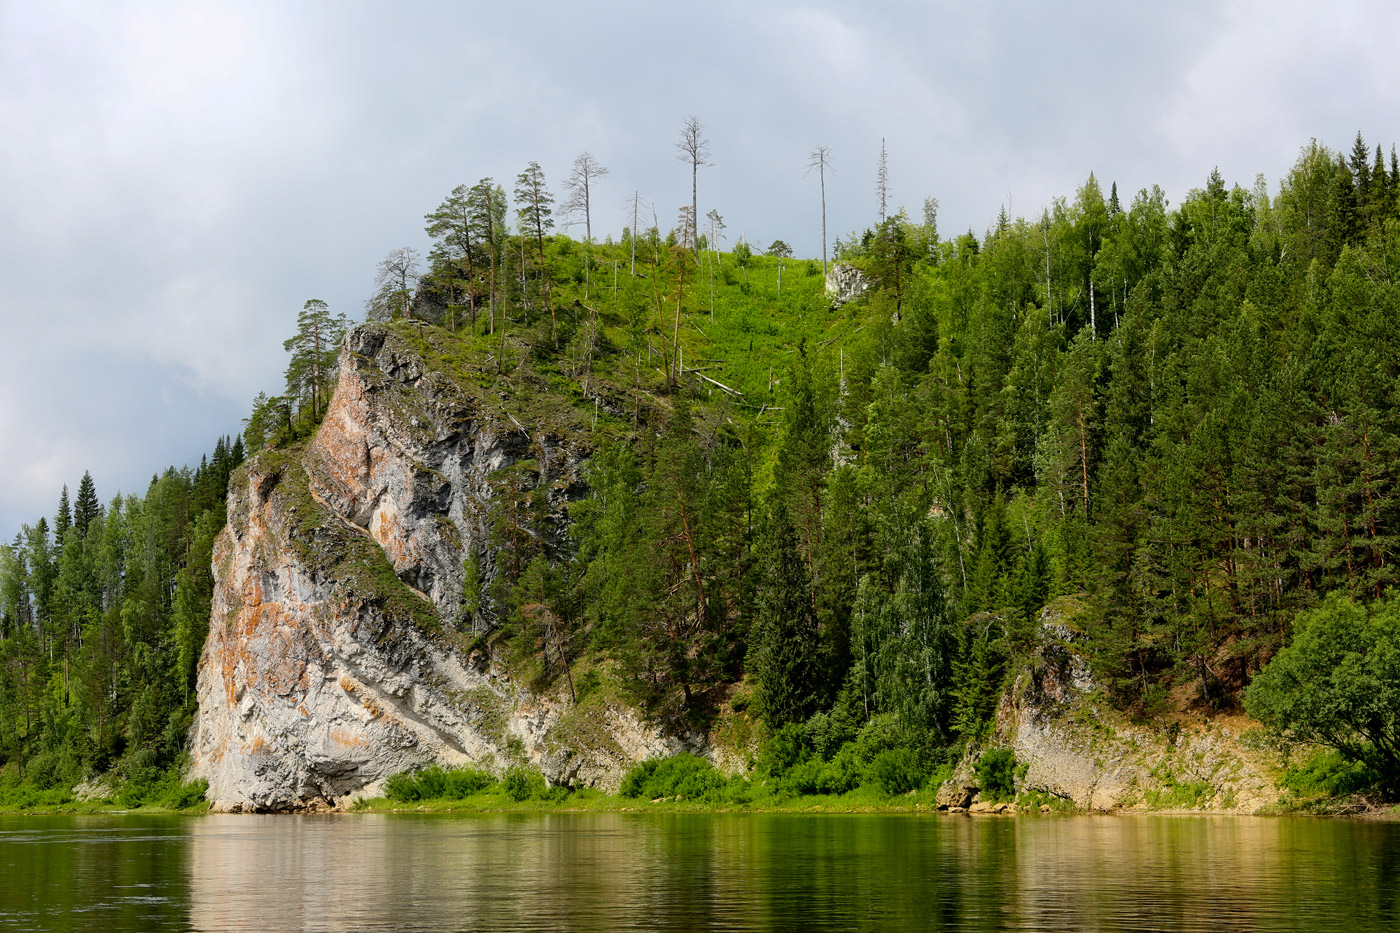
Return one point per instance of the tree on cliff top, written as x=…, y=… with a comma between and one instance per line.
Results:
x=535, y=212
x=394, y=281
x=314, y=350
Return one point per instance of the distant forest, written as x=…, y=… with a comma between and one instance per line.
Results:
x=1179, y=424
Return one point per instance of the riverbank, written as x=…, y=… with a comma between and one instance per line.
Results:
x=586, y=802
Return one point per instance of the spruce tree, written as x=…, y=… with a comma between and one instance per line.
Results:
x=86, y=508
x=63, y=520
x=784, y=653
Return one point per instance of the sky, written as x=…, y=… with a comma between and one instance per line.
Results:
x=177, y=179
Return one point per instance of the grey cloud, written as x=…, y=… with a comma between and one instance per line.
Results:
x=177, y=179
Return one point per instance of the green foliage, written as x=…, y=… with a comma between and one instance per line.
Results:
x=1338, y=683
x=996, y=774
x=1186, y=419
x=783, y=648
x=897, y=770
x=100, y=630
x=437, y=783
x=682, y=777
x=783, y=750
x=1327, y=773
x=1171, y=793
x=522, y=783
x=314, y=350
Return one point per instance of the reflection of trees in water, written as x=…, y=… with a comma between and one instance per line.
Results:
x=617, y=872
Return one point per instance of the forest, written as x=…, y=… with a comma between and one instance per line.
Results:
x=838, y=525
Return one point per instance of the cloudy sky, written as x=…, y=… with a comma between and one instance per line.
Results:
x=176, y=179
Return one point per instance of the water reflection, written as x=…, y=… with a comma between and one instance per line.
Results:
x=622, y=872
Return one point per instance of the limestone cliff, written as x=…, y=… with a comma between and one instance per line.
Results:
x=1072, y=747
x=338, y=653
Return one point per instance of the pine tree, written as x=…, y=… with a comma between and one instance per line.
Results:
x=314, y=350
x=452, y=257
x=535, y=212
x=486, y=203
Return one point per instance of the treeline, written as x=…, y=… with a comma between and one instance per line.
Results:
x=840, y=521
x=1183, y=417
x=103, y=614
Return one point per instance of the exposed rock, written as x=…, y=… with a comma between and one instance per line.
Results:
x=844, y=283
x=430, y=301
x=98, y=788
x=1071, y=748
x=957, y=792
x=336, y=655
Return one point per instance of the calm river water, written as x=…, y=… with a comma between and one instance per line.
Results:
x=619, y=872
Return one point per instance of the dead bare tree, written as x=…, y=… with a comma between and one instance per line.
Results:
x=395, y=278
x=820, y=161
x=716, y=233
x=635, y=202
x=579, y=184
x=694, y=149
x=882, y=181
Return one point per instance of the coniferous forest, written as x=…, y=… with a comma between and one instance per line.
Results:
x=839, y=524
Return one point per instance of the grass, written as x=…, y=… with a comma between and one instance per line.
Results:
x=680, y=783
x=1326, y=783
x=765, y=800
x=167, y=793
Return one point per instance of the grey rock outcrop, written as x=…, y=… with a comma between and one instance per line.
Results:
x=1070, y=747
x=844, y=282
x=430, y=301
x=337, y=653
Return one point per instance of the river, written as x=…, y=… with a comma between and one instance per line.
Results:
x=619, y=872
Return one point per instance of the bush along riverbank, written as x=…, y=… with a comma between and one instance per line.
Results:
x=147, y=789
x=1324, y=784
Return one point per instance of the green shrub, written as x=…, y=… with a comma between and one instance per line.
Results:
x=682, y=776
x=844, y=772
x=1329, y=774
x=803, y=778
x=436, y=783
x=522, y=783
x=827, y=733
x=787, y=747
x=464, y=782
x=54, y=768
x=896, y=771
x=996, y=774
x=634, y=782
x=186, y=796
x=1337, y=682
x=879, y=734
x=402, y=788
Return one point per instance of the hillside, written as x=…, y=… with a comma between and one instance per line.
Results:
x=679, y=485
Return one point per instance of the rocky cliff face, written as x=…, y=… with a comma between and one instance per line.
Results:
x=1069, y=747
x=338, y=653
